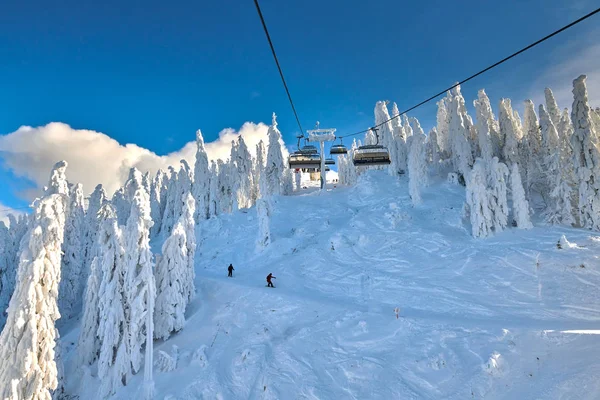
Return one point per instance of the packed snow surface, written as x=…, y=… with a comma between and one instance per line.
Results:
x=512, y=316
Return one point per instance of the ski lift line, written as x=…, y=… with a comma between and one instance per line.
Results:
x=564, y=28
x=278, y=66
x=16, y=208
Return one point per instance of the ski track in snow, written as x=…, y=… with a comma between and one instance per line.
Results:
x=478, y=318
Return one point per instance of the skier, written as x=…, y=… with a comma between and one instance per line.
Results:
x=269, y=277
x=230, y=269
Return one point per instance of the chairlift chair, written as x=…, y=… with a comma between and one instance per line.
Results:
x=304, y=161
x=338, y=149
x=371, y=154
x=329, y=161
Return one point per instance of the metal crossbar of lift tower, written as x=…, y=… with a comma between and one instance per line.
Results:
x=321, y=135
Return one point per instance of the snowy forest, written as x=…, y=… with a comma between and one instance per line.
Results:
x=122, y=265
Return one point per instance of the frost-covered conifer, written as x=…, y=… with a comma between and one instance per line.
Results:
x=92, y=224
x=171, y=202
x=478, y=200
x=433, y=152
x=274, y=166
x=157, y=203
x=175, y=275
x=459, y=138
x=258, y=169
x=443, y=127
x=485, y=113
x=72, y=273
x=214, y=203
x=139, y=279
x=498, y=174
x=89, y=343
x=386, y=132
x=58, y=183
x=263, y=212
x=398, y=144
x=417, y=164
x=586, y=157
x=114, y=358
x=509, y=130
x=531, y=149
x=244, y=174
x=27, y=363
x=520, y=204
x=553, y=110
x=201, y=185
x=558, y=175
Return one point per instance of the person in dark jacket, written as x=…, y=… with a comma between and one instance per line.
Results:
x=269, y=283
x=230, y=269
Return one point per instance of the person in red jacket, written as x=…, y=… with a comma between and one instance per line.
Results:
x=269, y=277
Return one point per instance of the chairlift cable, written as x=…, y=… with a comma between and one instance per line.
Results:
x=278, y=66
x=564, y=28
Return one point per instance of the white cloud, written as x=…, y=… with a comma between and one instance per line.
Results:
x=94, y=157
x=573, y=59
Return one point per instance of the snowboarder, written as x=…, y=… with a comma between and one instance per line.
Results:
x=230, y=269
x=269, y=277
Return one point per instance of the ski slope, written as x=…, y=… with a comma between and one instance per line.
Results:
x=509, y=317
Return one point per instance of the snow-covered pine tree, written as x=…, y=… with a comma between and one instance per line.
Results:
x=214, y=206
x=386, y=132
x=175, y=274
x=27, y=364
x=519, y=202
x=471, y=130
x=147, y=181
x=263, y=213
x=244, y=167
x=274, y=166
x=509, y=130
x=434, y=155
x=443, y=127
x=459, y=138
x=92, y=225
x=16, y=232
x=201, y=185
x=552, y=107
x=89, y=344
x=121, y=204
x=58, y=183
x=225, y=193
x=157, y=202
x=114, y=359
x=287, y=183
x=485, y=113
x=72, y=273
x=478, y=200
x=417, y=164
x=399, y=155
x=485, y=138
x=586, y=157
x=139, y=279
x=531, y=150
x=172, y=194
x=408, y=132
x=498, y=173
x=258, y=169
x=557, y=175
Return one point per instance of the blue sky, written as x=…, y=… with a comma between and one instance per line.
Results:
x=152, y=72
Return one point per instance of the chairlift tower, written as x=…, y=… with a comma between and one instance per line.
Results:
x=322, y=135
